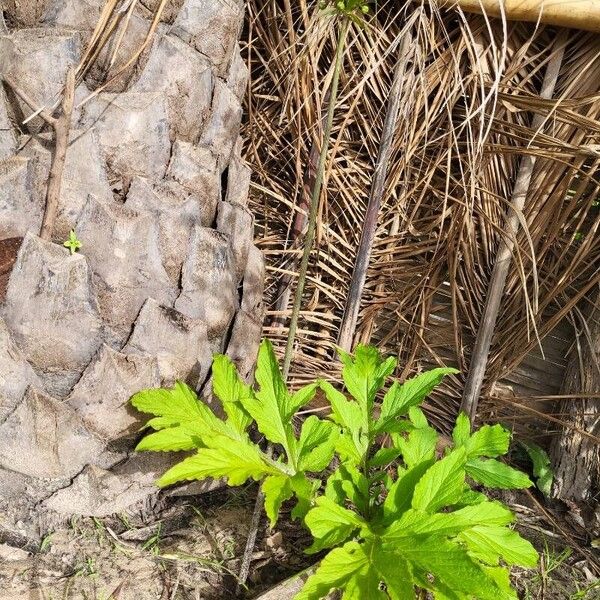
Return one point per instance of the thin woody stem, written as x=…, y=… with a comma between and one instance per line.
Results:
x=62, y=127
x=310, y=235
x=314, y=204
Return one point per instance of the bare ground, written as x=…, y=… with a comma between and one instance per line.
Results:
x=192, y=548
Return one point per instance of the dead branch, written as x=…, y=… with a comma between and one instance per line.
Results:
x=61, y=126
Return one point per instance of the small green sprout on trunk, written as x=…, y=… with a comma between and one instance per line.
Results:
x=395, y=517
x=73, y=243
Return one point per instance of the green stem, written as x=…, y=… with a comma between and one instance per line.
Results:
x=315, y=196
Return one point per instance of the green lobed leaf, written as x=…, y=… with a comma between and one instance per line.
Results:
x=418, y=446
x=348, y=483
x=344, y=412
x=305, y=491
x=400, y=494
x=352, y=449
x=180, y=403
x=501, y=576
x=179, y=410
x=316, y=444
x=169, y=439
x=359, y=570
x=462, y=430
x=237, y=460
x=542, y=467
x=442, y=485
x=231, y=391
x=270, y=405
x=489, y=440
x=470, y=497
x=448, y=563
x=364, y=375
x=495, y=474
x=383, y=457
x=301, y=397
x=330, y=524
x=335, y=571
x=417, y=417
x=489, y=543
x=400, y=397
x=276, y=489
x=449, y=524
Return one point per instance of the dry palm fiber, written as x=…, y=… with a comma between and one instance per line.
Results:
x=467, y=104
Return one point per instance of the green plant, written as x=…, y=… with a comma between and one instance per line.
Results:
x=542, y=467
x=351, y=9
x=396, y=517
x=223, y=446
x=73, y=244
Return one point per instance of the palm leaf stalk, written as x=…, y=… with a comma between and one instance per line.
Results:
x=363, y=256
x=483, y=341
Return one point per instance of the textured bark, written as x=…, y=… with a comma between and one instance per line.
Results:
x=577, y=457
x=156, y=189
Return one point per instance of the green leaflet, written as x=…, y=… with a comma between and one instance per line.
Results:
x=347, y=483
x=400, y=494
x=419, y=446
x=364, y=375
x=400, y=397
x=232, y=392
x=277, y=489
x=316, y=444
x=179, y=410
x=360, y=569
x=442, y=484
x=502, y=578
x=301, y=397
x=462, y=430
x=449, y=523
x=331, y=524
x=270, y=405
x=305, y=490
x=169, y=439
x=417, y=417
x=489, y=543
x=489, y=440
x=235, y=459
x=542, y=467
x=495, y=474
x=448, y=562
x=384, y=456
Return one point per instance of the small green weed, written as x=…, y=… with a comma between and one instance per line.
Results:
x=73, y=244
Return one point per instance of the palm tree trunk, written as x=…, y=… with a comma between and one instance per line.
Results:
x=154, y=186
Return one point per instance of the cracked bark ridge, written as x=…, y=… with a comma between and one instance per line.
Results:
x=167, y=273
x=576, y=457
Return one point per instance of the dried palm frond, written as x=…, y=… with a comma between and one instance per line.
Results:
x=467, y=103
